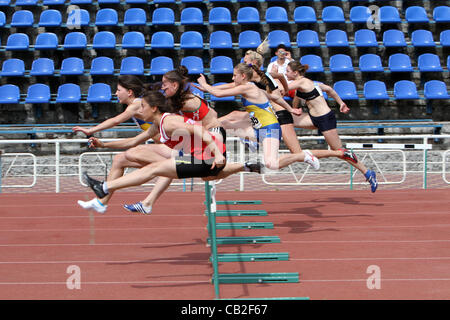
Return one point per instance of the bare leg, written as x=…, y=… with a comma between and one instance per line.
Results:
x=161, y=185
x=290, y=138
x=333, y=140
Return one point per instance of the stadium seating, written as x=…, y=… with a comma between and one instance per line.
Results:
x=132, y=65
x=219, y=16
x=102, y=66
x=194, y=64
x=99, y=92
x=405, y=89
x=38, y=93
x=160, y=65
x=191, y=40
x=68, y=93
x=9, y=93
x=75, y=40
x=42, y=67
x=13, y=68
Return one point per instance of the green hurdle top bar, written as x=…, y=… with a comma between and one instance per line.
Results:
x=237, y=202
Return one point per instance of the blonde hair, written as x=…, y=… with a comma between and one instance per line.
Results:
x=255, y=57
x=245, y=69
x=263, y=48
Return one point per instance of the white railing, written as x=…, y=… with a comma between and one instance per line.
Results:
x=240, y=156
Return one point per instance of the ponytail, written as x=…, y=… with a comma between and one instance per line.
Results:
x=297, y=66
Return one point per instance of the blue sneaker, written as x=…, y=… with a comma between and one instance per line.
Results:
x=138, y=207
x=371, y=177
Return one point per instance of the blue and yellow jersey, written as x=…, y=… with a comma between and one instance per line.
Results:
x=144, y=125
x=262, y=111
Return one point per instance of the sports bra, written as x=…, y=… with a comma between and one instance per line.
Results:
x=272, y=84
x=198, y=114
x=314, y=93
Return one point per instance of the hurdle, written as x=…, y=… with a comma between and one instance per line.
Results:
x=395, y=146
x=214, y=241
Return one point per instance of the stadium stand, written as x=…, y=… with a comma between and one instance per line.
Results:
x=53, y=51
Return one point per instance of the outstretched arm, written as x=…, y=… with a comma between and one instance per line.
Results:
x=220, y=92
x=124, y=143
x=129, y=112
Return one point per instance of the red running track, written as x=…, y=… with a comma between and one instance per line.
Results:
x=332, y=238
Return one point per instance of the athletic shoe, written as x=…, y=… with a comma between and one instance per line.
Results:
x=371, y=177
x=251, y=145
x=95, y=185
x=137, y=207
x=254, y=166
x=348, y=155
x=93, y=204
x=311, y=160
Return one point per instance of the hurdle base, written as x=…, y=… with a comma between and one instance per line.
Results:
x=246, y=240
x=245, y=225
x=237, y=202
x=239, y=213
x=258, y=278
x=253, y=257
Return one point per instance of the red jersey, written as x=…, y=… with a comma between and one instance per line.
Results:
x=198, y=151
x=198, y=114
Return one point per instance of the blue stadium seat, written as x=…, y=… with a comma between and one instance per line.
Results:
x=50, y=18
x=341, y=63
x=161, y=65
x=72, y=66
x=22, y=18
x=276, y=15
x=389, y=14
x=346, y=90
x=441, y=14
x=108, y=1
x=305, y=14
x=106, y=17
x=375, y=90
x=68, y=93
x=5, y=3
x=220, y=40
x=38, y=93
x=405, y=89
x=184, y=1
x=26, y=3
x=42, y=67
x=9, y=93
x=191, y=40
x=194, y=64
x=422, y=38
x=133, y=40
x=219, y=15
x=394, y=38
x=162, y=40
x=333, y=14
x=221, y=65
x=46, y=41
x=75, y=40
x=132, y=65
x=135, y=17
x=365, y=38
x=307, y=39
x=214, y=98
x=81, y=2
x=136, y=1
x=336, y=38
x=2, y=19
x=196, y=91
x=444, y=38
x=163, y=16
x=102, y=66
x=191, y=16
x=53, y=2
x=436, y=89
x=104, y=40
x=78, y=18
x=249, y=39
x=400, y=62
x=360, y=14
x=314, y=63
x=277, y=37
x=99, y=92
x=13, y=68
x=429, y=62
x=163, y=1
x=17, y=41
x=416, y=14
x=248, y=15
x=370, y=62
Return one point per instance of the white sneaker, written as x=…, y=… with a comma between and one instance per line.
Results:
x=311, y=160
x=93, y=204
